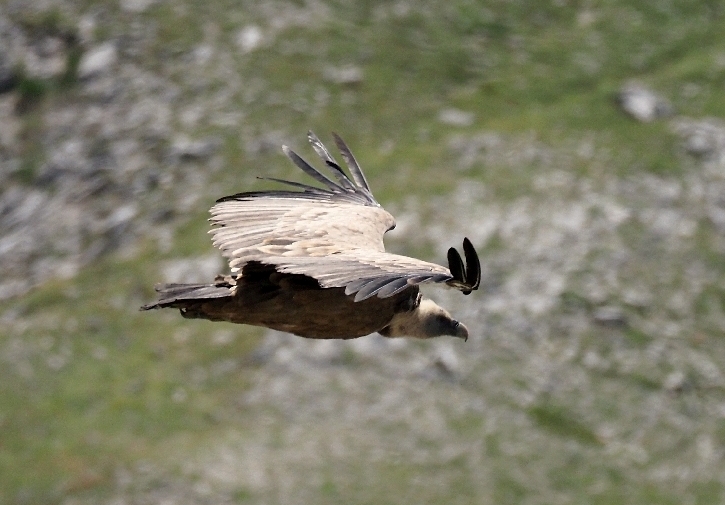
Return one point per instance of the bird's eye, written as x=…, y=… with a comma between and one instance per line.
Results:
x=456, y=324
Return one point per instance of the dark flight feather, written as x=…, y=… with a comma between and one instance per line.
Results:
x=310, y=170
x=455, y=264
x=336, y=170
x=473, y=266
x=351, y=162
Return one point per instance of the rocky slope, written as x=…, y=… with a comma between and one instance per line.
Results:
x=594, y=372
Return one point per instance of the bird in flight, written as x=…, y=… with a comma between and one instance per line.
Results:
x=310, y=261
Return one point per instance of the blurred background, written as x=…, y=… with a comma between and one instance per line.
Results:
x=579, y=144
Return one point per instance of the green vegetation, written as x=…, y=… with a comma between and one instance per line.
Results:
x=97, y=383
x=560, y=422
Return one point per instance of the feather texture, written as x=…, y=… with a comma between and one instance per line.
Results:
x=332, y=234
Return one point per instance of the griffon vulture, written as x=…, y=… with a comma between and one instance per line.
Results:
x=311, y=261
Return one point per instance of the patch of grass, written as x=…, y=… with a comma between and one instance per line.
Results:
x=561, y=422
x=27, y=172
x=242, y=496
x=178, y=29
x=70, y=76
x=31, y=91
x=31, y=148
x=637, y=337
x=710, y=300
x=645, y=382
x=192, y=238
x=574, y=302
x=104, y=384
x=508, y=490
x=52, y=21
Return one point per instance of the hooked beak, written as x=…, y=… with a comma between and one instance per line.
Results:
x=461, y=331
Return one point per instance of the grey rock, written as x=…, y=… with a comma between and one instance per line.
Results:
x=98, y=60
x=13, y=288
x=45, y=58
x=249, y=38
x=183, y=148
x=676, y=382
x=703, y=138
x=135, y=6
x=642, y=103
x=86, y=27
x=347, y=75
x=456, y=117
x=610, y=316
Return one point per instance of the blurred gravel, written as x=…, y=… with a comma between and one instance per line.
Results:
x=111, y=167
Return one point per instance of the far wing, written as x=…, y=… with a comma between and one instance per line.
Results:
x=333, y=234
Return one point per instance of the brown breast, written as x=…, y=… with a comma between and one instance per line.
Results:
x=297, y=304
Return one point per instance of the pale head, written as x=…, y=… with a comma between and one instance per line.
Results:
x=428, y=320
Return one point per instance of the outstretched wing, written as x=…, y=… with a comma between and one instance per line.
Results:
x=333, y=234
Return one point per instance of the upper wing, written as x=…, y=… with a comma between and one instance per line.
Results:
x=333, y=234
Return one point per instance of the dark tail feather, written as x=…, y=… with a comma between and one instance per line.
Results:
x=179, y=295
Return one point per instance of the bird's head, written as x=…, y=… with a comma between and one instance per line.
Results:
x=428, y=320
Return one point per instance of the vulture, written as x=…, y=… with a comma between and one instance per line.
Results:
x=310, y=260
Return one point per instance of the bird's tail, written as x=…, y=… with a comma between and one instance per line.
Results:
x=187, y=295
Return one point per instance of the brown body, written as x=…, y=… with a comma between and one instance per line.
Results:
x=296, y=304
